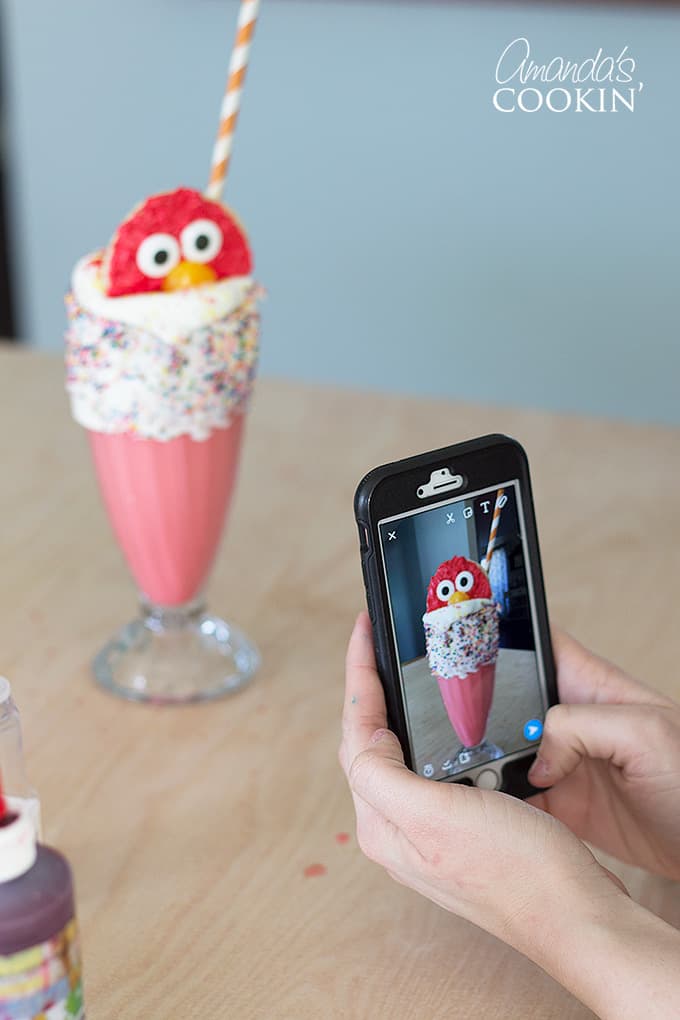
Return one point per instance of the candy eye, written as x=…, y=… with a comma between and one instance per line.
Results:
x=157, y=255
x=445, y=590
x=201, y=241
x=464, y=581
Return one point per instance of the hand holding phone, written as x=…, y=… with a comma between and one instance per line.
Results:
x=455, y=593
x=511, y=869
x=520, y=873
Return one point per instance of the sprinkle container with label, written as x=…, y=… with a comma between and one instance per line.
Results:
x=40, y=969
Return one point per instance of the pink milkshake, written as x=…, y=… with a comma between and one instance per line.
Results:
x=167, y=503
x=162, y=351
x=467, y=701
x=461, y=637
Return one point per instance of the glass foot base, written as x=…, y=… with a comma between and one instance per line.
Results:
x=176, y=655
x=468, y=757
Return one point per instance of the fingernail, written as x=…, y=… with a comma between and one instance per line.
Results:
x=539, y=770
x=378, y=735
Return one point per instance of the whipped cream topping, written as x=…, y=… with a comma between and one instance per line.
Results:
x=169, y=315
x=442, y=618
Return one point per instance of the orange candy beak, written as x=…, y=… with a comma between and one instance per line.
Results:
x=458, y=596
x=189, y=274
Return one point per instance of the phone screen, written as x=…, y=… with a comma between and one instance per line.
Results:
x=464, y=626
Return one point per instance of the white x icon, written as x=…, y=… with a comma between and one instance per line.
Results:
x=391, y=536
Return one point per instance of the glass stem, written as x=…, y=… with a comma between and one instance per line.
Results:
x=161, y=619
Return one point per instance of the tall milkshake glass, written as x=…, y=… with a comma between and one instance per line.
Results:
x=462, y=646
x=461, y=638
x=162, y=351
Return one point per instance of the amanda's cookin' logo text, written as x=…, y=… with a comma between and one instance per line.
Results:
x=598, y=84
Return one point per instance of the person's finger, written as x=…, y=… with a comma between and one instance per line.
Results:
x=614, y=733
x=615, y=879
x=381, y=757
x=364, y=708
x=379, y=776
x=375, y=835
x=584, y=677
x=381, y=840
x=540, y=801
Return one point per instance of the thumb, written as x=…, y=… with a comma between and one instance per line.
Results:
x=378, y=774
x=384, y=749
x=385, y=744
x=608, y=732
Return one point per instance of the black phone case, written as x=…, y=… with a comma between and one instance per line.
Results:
x=483, y=462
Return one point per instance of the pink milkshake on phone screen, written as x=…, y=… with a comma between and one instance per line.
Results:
x=461, y=637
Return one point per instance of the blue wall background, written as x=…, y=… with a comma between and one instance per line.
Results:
x=411, y=238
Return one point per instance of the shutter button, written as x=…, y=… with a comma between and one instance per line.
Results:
x=489, y=779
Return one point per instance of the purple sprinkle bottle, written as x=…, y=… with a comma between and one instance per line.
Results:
x=40, y=970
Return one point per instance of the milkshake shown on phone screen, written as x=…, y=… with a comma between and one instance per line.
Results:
x=463, y=616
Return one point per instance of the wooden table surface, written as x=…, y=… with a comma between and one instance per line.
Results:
x=190, y=829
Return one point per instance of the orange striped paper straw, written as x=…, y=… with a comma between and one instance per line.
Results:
x=231, y=103
x=500, y=503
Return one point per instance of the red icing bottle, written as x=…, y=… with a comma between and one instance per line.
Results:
x=40, y=971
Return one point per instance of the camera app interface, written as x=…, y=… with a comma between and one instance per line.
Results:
x=463, y=616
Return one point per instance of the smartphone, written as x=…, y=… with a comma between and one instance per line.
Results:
x=454, y=588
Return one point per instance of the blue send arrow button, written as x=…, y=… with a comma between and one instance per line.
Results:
x=533, y=729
